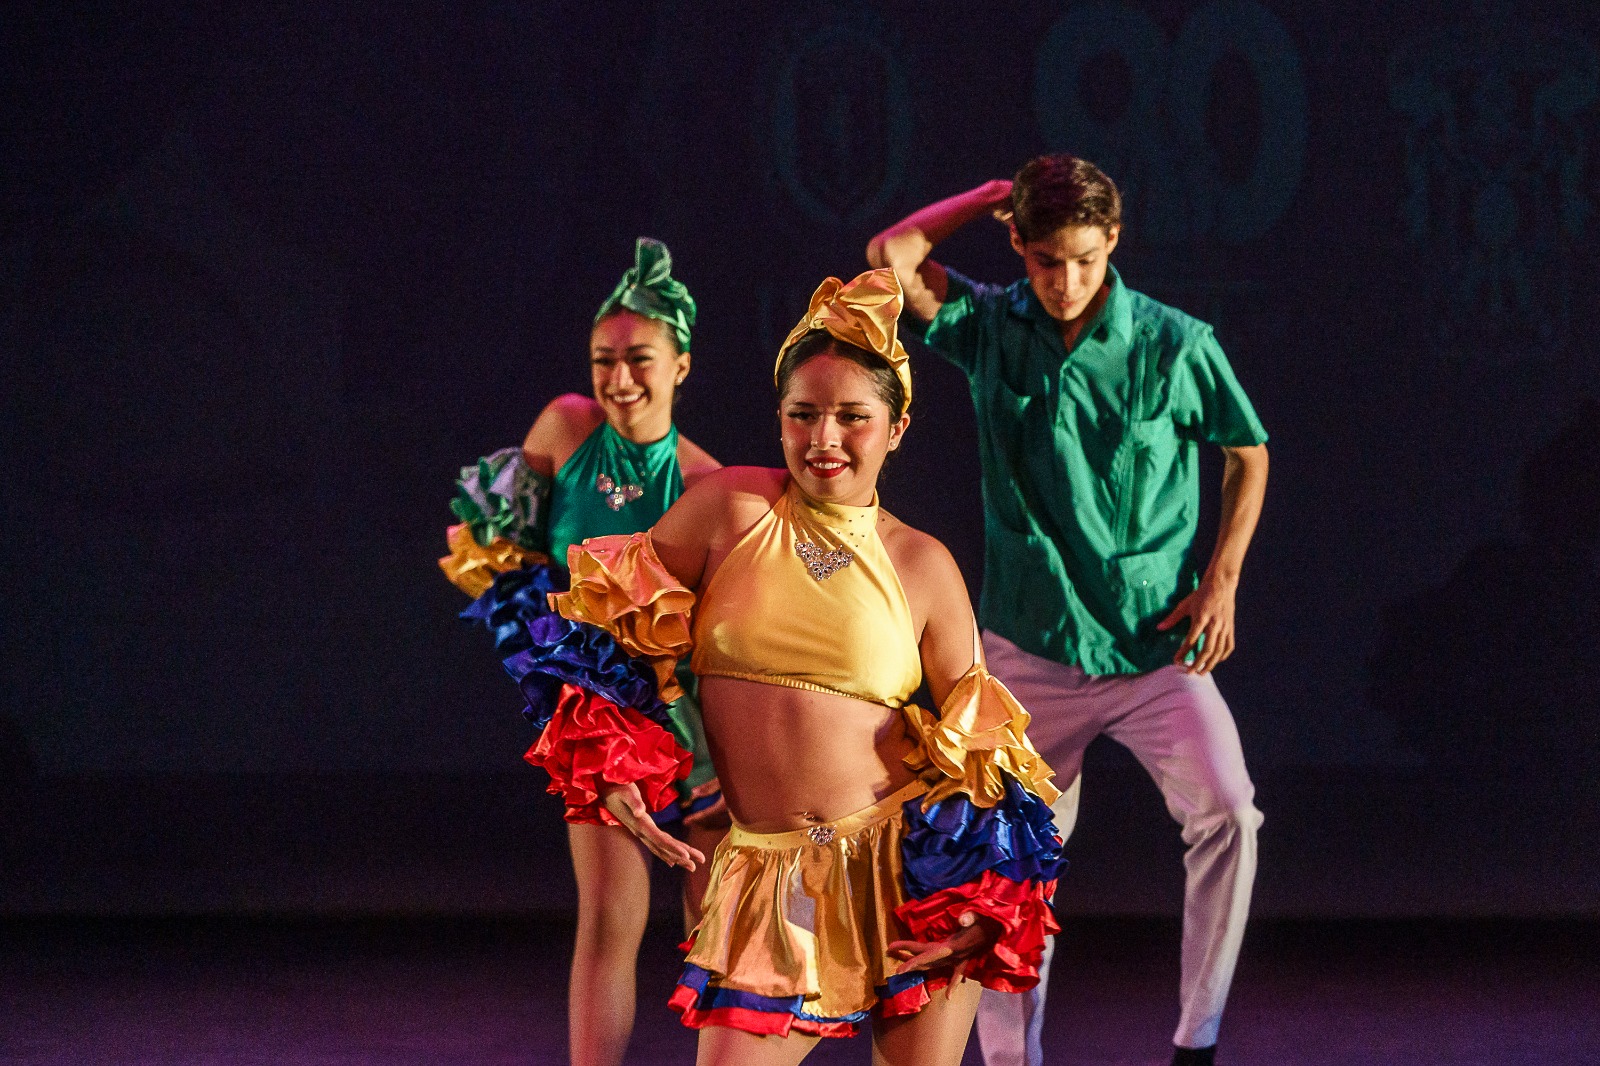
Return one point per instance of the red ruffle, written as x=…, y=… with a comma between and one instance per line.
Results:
x=782, y=1023
x=760, y=1022
x=1021, y=908
x=763, y=1023
x=591, y=742
x=912, y=999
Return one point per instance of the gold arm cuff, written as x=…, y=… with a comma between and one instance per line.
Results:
x=979, y=734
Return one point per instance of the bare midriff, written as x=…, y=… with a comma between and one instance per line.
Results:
x=788, y=758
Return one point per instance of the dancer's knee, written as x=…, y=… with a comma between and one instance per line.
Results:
x=1234, y=821
x=610, y=928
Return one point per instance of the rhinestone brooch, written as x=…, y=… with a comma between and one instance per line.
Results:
x=823, y=565
x=821, y=834
x=617, y=496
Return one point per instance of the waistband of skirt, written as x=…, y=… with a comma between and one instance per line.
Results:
x=824, y=833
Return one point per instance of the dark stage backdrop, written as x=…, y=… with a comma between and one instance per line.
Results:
x=271, y=273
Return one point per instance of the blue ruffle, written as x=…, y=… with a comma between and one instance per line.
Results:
x=955, y=841
x=575, y=653
x=677, y=812
x=711, y=998
x=898, y=983
x=516, y=598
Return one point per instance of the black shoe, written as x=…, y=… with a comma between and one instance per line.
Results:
x=1194, y=1056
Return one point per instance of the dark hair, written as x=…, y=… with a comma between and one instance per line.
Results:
x=672, y=334
x=821, y=342
x=1052, y=191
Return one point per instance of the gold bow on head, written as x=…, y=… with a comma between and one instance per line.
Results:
x=865, y=313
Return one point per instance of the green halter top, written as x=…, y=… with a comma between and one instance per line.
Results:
x=612, y=485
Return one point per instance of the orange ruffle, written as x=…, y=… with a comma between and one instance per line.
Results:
x=472, y=567
x=620, y=585
x=1022, y=910
x=591, y=742
x=979, y=735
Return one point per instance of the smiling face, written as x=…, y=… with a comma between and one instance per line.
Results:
x=1067, y=267
x=837, y=430
x=636, y=369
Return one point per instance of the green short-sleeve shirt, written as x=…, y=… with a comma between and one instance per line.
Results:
x=1090, y=465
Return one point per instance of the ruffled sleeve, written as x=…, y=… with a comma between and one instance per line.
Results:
x=978, y=739
x=494, y=551
x=510, y=606
x=589, y=742
x=500, y=497
x=472, y=567
x=981, y=839
x=598, y=675
x=500, y=502
x=620, y=585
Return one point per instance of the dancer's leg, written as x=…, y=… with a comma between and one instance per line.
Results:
x=1183, y=734
x=934, y=1036
x=720, y=1046
x=1066, y=713
x=613, y=872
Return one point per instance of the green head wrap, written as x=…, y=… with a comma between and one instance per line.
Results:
x=650, y=289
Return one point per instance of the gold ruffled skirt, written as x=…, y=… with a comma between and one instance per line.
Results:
x=810, y=912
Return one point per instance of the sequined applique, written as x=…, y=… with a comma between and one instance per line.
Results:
x=617, y=496
x=823, y=564
x=821, y=834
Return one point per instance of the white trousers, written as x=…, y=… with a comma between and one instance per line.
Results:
x=1179, y=728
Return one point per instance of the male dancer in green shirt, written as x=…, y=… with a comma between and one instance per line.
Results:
x=1091, y=401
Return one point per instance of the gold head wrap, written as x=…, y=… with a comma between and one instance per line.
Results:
x=866, y=313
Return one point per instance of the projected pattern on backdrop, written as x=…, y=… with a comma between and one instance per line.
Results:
x=1496, y=156
x=1179, y=185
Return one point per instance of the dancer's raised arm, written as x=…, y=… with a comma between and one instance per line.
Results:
x=906, y=245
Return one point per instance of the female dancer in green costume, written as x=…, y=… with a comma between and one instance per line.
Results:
x=609, y=464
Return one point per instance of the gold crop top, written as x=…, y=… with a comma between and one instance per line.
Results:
x=809, y=599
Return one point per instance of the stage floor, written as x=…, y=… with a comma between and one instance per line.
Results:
x=489, y=992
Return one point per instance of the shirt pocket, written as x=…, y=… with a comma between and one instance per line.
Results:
x=1147, y=587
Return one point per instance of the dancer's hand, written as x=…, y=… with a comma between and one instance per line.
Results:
x=997, y=194
x=977, y=935
x=626, y=804
x=1209, y=610
x=714, y=816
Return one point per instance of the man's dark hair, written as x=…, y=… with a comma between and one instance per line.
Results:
x=1052, y=191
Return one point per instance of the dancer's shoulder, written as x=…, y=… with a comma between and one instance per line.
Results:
x=563, y=425
x=1165, y=323
x=917, y=556
x=734, y=489
x=695, y=462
